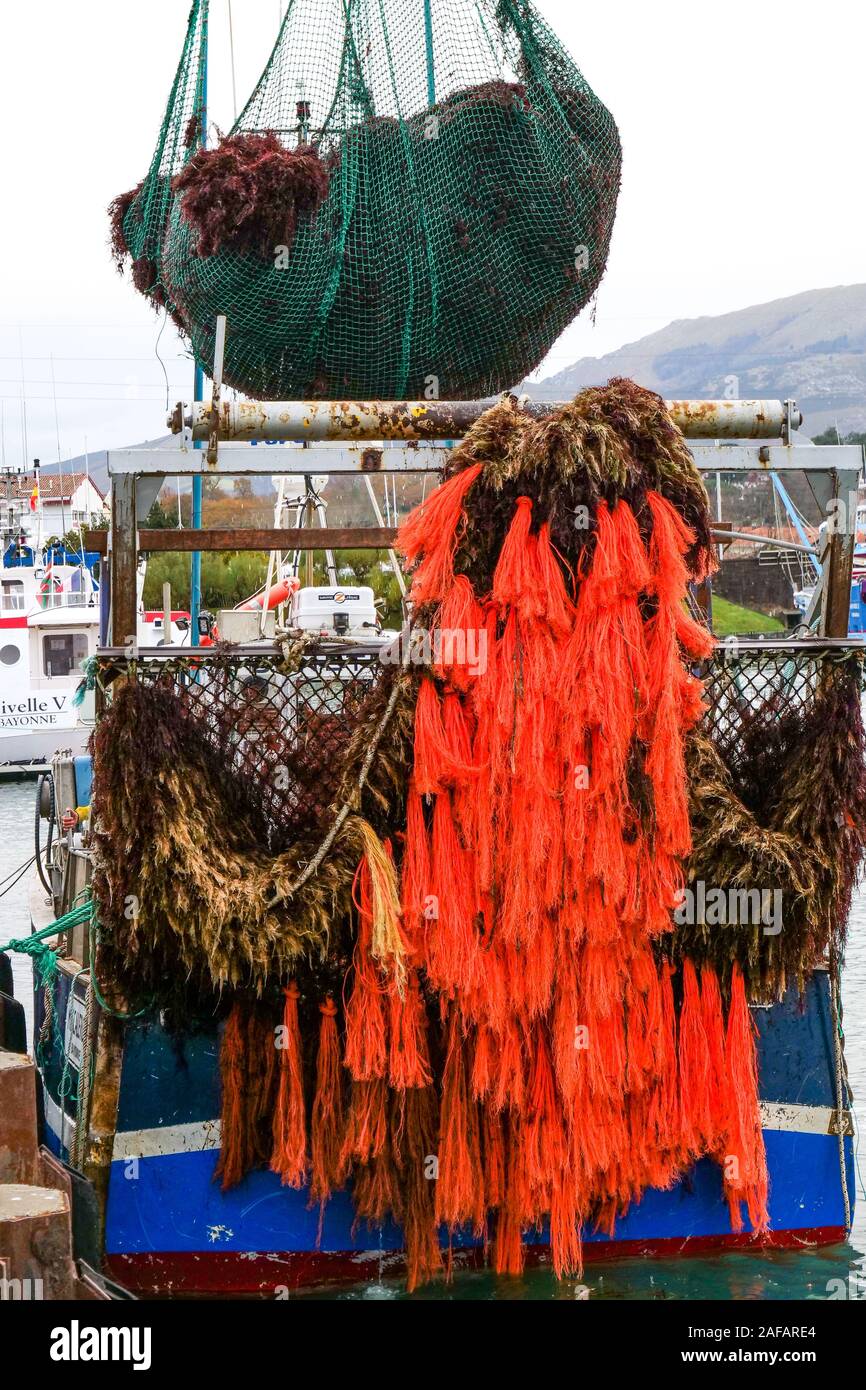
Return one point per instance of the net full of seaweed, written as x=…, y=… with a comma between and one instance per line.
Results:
x=209, y=807
x=467, y=942
x=395, y=202
x=777, y=786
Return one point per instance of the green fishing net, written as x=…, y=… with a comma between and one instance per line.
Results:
x=416, y=200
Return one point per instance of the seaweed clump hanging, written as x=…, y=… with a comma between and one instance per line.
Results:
x=778, y=812
x=118, y=210
x=248, y=194
x=548, y=827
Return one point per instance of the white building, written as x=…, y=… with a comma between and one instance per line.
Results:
x=67, y=501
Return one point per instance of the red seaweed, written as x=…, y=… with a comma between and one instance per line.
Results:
x=117, y=210
x=249, y=193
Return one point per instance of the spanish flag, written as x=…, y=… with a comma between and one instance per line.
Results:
x=34, y=498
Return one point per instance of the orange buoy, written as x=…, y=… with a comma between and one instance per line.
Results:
x=277, y=594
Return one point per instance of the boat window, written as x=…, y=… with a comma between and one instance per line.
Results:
x=13, y=595
x=63, y=652
x=9, y=654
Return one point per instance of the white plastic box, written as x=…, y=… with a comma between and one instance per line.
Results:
x=340, y=609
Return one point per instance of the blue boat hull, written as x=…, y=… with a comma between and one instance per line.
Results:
x=169, y=1226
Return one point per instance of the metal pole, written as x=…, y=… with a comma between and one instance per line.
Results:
x=765, y=542
x=166, y=613
x=308, y=521
x=330, y=562
x=428, y=41
x=123, y=563
x=312, y=421
x=195, y=567
x=274, y=560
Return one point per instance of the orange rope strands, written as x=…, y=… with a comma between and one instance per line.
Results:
x=548, y=826
x=515, y=1047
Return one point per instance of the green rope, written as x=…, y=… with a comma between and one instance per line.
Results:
x=45, y=965
x=89, y=681
x=45, y=957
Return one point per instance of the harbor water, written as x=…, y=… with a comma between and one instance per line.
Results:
x=784, y=1275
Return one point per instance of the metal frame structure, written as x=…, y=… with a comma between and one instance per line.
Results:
x=320, y=437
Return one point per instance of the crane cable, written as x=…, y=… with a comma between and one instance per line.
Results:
x=232, y=52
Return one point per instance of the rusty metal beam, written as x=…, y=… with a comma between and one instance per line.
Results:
x=236, y=460
x=837, y=562
x=348, y=649
x=124, y=560
x=246, y=538
x=315, y=421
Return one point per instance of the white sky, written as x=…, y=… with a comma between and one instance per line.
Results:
x=741, y=120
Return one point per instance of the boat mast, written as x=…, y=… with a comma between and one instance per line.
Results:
x=195, y=569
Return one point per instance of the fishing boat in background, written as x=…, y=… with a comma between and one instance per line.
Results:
x=49, y=625
x=51, y=615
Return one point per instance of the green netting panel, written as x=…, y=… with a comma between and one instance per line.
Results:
x=472, y=178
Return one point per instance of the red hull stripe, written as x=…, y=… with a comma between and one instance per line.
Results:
x=226, y=1272
x=13, y=622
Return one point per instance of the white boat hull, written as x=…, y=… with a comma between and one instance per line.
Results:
x=39, y=745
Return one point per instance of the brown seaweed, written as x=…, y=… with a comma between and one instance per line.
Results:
x=786, y=811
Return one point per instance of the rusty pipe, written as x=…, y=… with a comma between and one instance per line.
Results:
x=317, y=421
